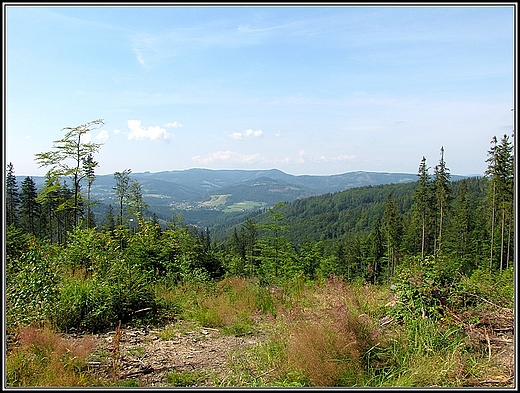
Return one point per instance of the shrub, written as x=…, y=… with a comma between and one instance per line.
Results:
x=32, y=290
x=97, y=303
x=424, y=287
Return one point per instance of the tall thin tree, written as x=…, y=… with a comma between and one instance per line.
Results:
x=442, y=194
x=67, y=159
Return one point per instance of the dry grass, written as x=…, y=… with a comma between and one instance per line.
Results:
x=327, y=338
x=43, y=358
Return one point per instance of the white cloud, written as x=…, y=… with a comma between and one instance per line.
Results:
x=102, y=136
x=279, y=133
x=173, y=125
x=344, y=157
x=238, y=136
x=116, y=131
x=152, y=133
x=228, y=156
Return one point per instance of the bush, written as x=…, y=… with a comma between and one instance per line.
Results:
x=98, y=303
x=424, y=287
x=31, y=291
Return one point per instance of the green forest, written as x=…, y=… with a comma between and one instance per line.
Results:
x=433, y=257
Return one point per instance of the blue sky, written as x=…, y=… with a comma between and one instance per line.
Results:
x=304, y=89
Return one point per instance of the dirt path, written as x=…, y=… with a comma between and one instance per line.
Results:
x=149, y=355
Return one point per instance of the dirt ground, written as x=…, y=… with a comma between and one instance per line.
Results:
x=148, y=355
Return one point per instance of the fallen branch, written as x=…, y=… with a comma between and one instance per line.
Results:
x=207, y=328
x=142, y=310
x=500, y=381
x=145, y=370
x=487, y=301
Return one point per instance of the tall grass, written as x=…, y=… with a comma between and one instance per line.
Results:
x=44, y=359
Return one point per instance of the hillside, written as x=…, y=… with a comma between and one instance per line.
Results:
x=204, y=196
x=332, y=215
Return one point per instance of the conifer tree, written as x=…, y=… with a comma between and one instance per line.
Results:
x=500, y=173
x=12, y=197
x=122, y=189
x=30, y=209
x=442, y=195
x=89, y=164
x=423, y=200
x=110, y=221
x=462, y=223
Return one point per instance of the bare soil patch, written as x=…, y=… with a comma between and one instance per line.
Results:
x=147, y=356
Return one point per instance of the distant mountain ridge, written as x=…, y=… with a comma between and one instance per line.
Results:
x=198, y=191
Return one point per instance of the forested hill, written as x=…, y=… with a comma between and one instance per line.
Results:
x=353, y=211
x=205, y=197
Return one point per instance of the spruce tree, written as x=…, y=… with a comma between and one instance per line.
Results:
x=30, y=209
x=423, y=201
x=12, y=197
x=393, y=228
x=442, y=189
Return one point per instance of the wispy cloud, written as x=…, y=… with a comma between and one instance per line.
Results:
x=250, y=133
x=173, y=125
x=152, y=133
x=228, y=156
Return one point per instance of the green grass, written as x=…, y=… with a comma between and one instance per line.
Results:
x=243, y=206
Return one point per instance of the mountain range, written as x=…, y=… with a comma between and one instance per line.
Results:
x=202, y=195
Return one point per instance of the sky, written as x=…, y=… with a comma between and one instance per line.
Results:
x=316, y=90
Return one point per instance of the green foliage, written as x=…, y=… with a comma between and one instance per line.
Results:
x=17, y=242
x=483, y=287
x=88, y=250
x=31, y=288
x=424, y=287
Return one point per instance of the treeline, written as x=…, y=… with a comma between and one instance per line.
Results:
x=365, y=232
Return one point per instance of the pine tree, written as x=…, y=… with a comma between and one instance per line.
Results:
x=442, y=195
x=30, y=209
x=423, y=200
x=12, y=197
